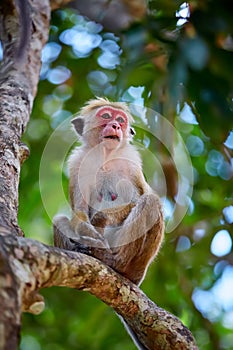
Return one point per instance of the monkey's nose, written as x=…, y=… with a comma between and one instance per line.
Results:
x=115, y=126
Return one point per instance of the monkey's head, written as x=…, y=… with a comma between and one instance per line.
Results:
x=103, y=121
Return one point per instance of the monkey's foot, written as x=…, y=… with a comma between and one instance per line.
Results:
x=95, y=247
x=80, y=247
x=103, y=254
x=80, y=244
x=62, y=241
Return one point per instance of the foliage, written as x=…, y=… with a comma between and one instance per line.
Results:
x=182, y=68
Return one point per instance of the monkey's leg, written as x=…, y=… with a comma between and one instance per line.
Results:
x=137, y=242
x=140, y=220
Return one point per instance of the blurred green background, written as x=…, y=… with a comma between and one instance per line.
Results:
x=176, y=61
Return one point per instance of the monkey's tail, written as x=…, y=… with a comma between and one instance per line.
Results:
x=133, y=335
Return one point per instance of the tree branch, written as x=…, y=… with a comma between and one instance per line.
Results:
x=37, y=266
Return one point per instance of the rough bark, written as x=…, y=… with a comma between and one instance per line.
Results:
x=37, y=266
x=27, y=266
x=17, y=90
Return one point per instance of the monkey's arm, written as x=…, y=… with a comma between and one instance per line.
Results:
x=78, y=199
x=140, y=183
x=79, y=191
x=80, y=227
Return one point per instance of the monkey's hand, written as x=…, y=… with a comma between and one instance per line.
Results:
x=82, y=226
x=85, y=230
x=99, y=220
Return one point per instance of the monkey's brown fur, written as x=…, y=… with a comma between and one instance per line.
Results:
x=117, y=217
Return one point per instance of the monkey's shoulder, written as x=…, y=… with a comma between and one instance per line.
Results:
x=76, y=156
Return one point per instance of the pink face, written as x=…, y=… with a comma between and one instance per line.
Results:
x=114, y=123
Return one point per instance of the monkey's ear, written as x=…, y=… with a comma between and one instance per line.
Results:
x=132, y=131
x=78, y=124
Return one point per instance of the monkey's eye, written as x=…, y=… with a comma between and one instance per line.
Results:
x=106, y=116
x=120, y=120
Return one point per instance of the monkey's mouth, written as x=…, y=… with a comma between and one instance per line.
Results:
x=112, y=137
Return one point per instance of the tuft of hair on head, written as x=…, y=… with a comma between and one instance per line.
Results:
x=102, y=102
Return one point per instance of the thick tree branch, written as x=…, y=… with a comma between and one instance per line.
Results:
x=36, y=266
x=10, y=303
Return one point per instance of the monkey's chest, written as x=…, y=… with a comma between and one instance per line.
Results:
x=112, y=190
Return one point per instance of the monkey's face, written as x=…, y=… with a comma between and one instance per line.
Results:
x=113, y=125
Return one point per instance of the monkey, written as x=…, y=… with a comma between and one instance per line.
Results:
x=113, y=207
x=116, y=216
